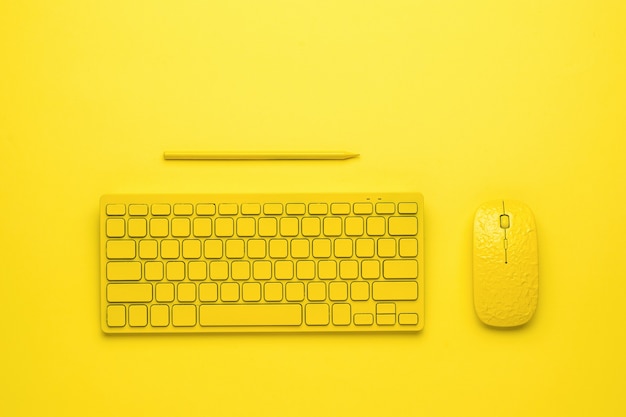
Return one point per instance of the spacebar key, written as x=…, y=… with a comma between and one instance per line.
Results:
x=251, y=315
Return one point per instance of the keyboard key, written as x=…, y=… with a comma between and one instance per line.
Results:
x=186, y=292
x=338, y=291
x=402, y=226
x=385, y=208
x=386, y=248
x=183, y=209
x=392, y=291
x=363, y=208
x=137, y=227
x=370, y=269
x=363, y=319
x=318, y=208
x=164, y=292
x=294, y=291
x=272, y=208
x=401, y=269
x=348, y=269
x=116, y=209
x=138, y=209
x=321, y=248
x=251, y=291
x=354, y=226
x=205, y=209
x=207, y=292
x=175, y=271
x=305, y=270
x=169, y=249
x=376, y=226
x=218, y=270
x=240, y=270
x=262, y=270
x=116, y=227
x=332, y=226
x=289, y=226
x=197, y=270
x=385, y=314
x=160, y=209
x=268, y=227
x=116, y=316
x=317, y=314
x=148, y=249
x=283, y=270
x=359, y=291
x=408, y=248
x=120, y=249
x=235, y=248
x=184, y=315
x=224, y=227
x=181, y=227
x=278, y=248
x=327, y=269
x=250, y=208
x=407, y=208
x=251, y=315
x=343, y=248
x=229, y=291
x=159, y=227
x=311, y=226
x=408, y=319
x=129, y=293
x=154, y=271
x=137, y=315
x=256, y=248
x=295, y=208
x=228, y=209
x=316, y=291
x=364, y=248
x=273, y=291
x=159, y=315
x=192, y=248
x=246, y=227
x=340, y=208
x=213, y=249
x=341, y=314
x=123, y=271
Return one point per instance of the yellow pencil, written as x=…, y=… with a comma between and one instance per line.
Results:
x=258, y=155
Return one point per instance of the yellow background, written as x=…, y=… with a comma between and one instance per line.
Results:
x=464, y=101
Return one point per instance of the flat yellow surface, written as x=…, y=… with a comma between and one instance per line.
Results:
x=463, y=101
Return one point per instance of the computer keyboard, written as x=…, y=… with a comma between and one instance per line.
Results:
x=262, y=263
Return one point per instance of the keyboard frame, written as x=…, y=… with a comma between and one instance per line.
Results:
x=258, y=198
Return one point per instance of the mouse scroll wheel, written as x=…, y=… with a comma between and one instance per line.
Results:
x=505, y=221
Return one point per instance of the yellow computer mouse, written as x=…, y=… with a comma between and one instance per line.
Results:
x=506, y=273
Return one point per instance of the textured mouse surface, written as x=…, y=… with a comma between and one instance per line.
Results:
x=505, y=286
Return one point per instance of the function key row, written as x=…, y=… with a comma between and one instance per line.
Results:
x=232, y=209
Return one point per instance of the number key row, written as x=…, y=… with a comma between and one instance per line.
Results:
x=263, y=227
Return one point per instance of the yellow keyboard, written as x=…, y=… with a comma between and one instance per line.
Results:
x=262, y=263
